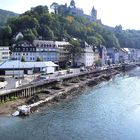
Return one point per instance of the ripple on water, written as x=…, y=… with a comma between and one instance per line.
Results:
x=111, y=111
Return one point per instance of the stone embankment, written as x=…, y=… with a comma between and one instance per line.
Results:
x=63, y=91
x=43, y=92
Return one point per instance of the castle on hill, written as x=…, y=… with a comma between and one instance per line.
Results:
x=73, y=10
x=79, y=12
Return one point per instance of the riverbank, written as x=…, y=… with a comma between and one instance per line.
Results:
x=56, y=93
x=65, y=91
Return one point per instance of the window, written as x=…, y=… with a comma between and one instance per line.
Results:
x=4, y=57
x=4, y=52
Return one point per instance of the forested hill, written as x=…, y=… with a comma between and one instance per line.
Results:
x=4, y=15
x=39, y=23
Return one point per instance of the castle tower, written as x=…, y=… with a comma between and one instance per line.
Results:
x=94, y=14
x=72, y=4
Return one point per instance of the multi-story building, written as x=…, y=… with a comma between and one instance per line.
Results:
x=86, y=57
x=40, y=50
x=24, y=50
x=4, y=53
x=55, y=51
x=46, y=50
x=113, y=55
x=63, y=53
x=103, y=55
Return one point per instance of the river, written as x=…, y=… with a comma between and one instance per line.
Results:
x=110, y=111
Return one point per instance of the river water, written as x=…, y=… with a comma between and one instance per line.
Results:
x=110, y=111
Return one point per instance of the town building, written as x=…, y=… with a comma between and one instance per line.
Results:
x=4, y=53
x=41, y=50
x=55, y=51
x=46, y=50
x=63, y=53
x=103, y=55
x=113, y=55
x=134, y=54
x=86, y=58
x=124, y=55
x=18, y=68
x=24, y=50
x=96, y=56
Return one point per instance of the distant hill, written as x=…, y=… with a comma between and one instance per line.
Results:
x=4, y=15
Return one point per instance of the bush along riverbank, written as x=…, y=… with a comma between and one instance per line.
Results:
x=64, y=90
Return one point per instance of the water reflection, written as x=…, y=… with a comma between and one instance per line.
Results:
x=110, y=111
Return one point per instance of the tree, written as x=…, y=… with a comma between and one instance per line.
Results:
x=29, y=35
x=74, y=50
x=23, y=59
x=38, y=59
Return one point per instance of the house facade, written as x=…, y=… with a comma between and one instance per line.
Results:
x=40, y=50
x=113, y=55
x=24, y=50
x=103, y=55
x=4, y=53
x=46, y=50
x=87, y=57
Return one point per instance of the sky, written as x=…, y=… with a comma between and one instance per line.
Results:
x=111, y=12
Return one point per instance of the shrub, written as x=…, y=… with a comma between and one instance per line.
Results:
x=2, y=79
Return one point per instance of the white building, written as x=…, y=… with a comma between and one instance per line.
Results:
x=4, y=53
x=86, y=58
x=16, y=67
x=24, y=49
x=42, y=50
x=46, y=50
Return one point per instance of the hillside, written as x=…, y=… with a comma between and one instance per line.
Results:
x=4, y=15
x=40, y=23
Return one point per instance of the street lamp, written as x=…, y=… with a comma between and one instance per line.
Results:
x=13, y=70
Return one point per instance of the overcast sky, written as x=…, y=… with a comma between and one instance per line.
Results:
x=111, y=12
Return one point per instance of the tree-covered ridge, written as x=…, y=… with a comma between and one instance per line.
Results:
x=5, y=15
x=128, y=38
x=40, y=23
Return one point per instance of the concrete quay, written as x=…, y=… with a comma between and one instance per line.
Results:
x=37, y=87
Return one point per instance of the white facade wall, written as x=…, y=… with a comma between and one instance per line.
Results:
x=4, y=53
x=116, y=55
x=87, y=57
x=14, y=72
x=46, y=50
x=29, y=56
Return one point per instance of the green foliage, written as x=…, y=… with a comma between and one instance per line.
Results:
x=5, y=15
x=38, y=59
x=23, y=59
x=2, y=79
x=128, y=38
x=74, y=49
x=61, y=24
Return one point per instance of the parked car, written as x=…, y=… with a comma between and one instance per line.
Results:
x=44, y=77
